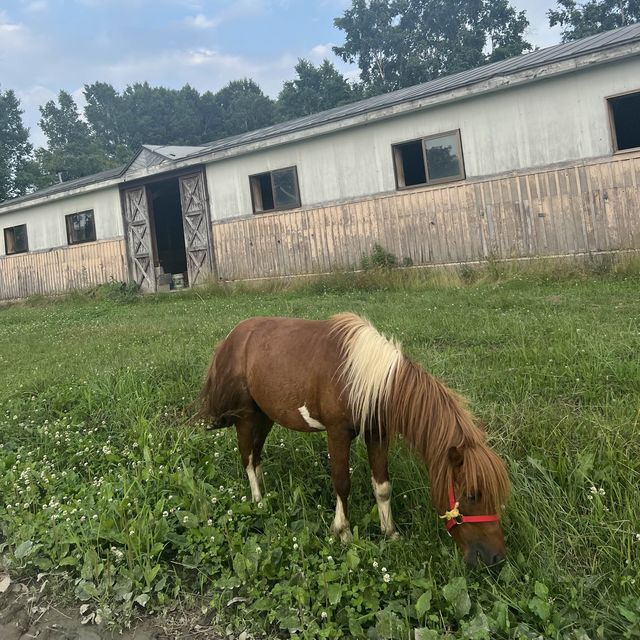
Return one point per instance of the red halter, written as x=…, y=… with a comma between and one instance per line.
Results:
x=454, y=517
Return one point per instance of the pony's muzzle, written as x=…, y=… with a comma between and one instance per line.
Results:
x=489, y=557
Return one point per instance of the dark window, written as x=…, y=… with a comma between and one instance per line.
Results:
x=428, y=160
x=625, y=117
x=80, y=227
x=275, y=190
x=15, y=239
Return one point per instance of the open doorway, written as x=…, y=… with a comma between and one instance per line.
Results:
x=168, y=233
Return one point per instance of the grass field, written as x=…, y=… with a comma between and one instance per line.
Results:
x=105, y=488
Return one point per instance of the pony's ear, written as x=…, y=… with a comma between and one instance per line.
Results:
x=455, y=457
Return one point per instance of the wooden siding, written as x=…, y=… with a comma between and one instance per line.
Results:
x=584, y=207
x=62, y=269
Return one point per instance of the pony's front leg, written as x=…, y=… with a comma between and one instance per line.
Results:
x=339, y=442
x=377, y=450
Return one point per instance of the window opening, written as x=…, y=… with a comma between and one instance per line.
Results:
x=15, y=239
x=625, y=116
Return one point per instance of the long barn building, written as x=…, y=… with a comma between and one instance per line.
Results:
x=537, y=155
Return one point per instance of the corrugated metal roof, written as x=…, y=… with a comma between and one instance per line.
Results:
x=67, y=186
x=557, y=53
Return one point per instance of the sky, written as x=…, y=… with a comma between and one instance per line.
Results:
x=48, y=45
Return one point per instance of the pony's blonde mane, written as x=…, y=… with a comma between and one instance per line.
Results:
x=388, y=391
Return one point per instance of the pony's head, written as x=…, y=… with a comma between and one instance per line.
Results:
x=476, y=488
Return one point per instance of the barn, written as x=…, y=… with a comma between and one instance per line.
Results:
x=537, y=155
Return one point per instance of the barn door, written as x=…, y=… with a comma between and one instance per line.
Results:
x=197, y=228
x=139, y=241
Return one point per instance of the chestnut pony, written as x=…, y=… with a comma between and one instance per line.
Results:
x=343, y=377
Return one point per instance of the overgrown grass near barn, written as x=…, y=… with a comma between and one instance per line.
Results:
x=106, y=490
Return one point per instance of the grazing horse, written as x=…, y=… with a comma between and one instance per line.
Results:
x=343, y=377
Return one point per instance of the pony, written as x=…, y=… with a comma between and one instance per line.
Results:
x=342, y=377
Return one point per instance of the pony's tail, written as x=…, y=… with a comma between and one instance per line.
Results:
x=208, y=403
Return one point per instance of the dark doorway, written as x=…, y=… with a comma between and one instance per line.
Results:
x=166, y=215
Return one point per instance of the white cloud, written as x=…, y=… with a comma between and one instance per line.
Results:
x=322, y=51
x=200, y=21
x=14, y=36
x=37, y=6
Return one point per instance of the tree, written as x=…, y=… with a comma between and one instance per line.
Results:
x=588, y=18
x=104, y=113
x=72, y=150
x=16, y=161
x=399, y=43
x=243, y=107
x=315, y=89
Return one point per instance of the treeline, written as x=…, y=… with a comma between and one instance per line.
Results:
x=394, y=43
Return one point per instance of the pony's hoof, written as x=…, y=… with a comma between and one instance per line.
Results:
x=393, y=536
x=346, y=537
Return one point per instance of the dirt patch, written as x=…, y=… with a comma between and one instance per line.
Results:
x=27, y=614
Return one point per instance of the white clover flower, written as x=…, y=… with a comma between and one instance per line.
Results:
x=329, y=558
x=185, y=519
x=132, y=532
x=384, y=569
x=260, y=505
x=386, y=577
x=229, y=513
x=243, y=499
x=214, y=500
x=209, y=521
x=295, y=546
x=375, y=564
x=323, y=615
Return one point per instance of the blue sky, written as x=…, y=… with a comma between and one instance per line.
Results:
x=47, y=45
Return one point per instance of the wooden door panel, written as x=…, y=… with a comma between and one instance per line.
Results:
x=197, y=228
x=139, y=240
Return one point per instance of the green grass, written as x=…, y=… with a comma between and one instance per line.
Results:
x=106, y=488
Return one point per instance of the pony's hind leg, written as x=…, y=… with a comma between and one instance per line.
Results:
x=339, y=446
x=377, y=450
x=251, y=432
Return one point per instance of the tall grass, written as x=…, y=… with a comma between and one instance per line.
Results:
x=107, y=486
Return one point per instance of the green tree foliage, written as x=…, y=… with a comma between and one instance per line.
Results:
x=579, y=20
x=143, y=114
x=16, y=163
x=315, y=89
x=243, y=107
x=398, y=43
x=72, y=149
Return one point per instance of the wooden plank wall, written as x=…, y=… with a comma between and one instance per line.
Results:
x=588, y=206
x=62, y=269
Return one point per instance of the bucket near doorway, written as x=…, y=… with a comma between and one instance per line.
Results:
x=178, y=281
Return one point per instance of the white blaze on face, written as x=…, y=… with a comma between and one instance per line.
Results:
x=312, y=422
x=382, y=492
x=253, y=481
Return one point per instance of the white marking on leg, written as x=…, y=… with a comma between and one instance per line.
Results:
x=312, y=422
x=256, y=496
x=340, y=526
x=382, y=492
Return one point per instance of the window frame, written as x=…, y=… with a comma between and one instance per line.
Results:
x=68, y=222
x=609, y=100
x=397, y=166
x=6, y=245
x=256, y=176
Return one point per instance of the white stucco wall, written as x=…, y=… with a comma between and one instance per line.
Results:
x=550, y=121
x=45, y=222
